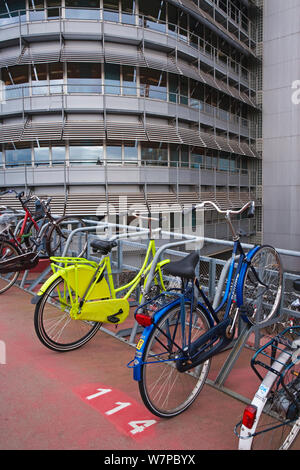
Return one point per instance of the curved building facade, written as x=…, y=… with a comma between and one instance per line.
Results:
x=133, y=101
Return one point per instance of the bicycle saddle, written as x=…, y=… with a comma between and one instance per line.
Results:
x=103, y=246
x=297, y=285
x=184, y=268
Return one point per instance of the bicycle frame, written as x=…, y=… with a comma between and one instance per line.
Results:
x=219, y=335
x=90, y=285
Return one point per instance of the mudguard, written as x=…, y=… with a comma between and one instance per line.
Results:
x=78, y=278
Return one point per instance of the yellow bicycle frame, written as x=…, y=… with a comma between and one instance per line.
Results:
x=90, y=295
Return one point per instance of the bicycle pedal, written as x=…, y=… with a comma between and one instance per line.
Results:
x=113, y=318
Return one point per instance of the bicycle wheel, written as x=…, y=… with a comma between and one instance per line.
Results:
x=262, y=286
x=278, y=410
x=53, y=324
x=165, y=391
x=59, y=232
x=8, y=251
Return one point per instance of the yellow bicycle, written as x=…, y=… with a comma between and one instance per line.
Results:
x=81, y=295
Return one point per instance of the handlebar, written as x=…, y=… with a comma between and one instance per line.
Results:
x=250, y=205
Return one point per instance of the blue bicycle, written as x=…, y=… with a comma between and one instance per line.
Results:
x=182, y=330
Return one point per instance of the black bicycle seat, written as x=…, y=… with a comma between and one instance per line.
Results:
x=297, y=285
x=184, y=268
x=103, y=246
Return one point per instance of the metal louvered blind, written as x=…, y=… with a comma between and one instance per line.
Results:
x=42, y=131
x=11, y=133
x=41, y=52
x=163, y=133
x=83, y=130
x=126, y=131
x=82, y=51
x=123, y=54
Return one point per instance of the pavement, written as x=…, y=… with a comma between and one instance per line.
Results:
x=87, y=399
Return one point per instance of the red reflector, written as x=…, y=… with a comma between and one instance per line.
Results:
x=249, y=416
x=143, y=320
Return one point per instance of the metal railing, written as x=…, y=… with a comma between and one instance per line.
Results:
x=144, y=22
x=27, y=93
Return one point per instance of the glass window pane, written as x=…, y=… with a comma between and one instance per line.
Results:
x=111, y=10
x=114, y=151
x=128, y=11
x=86, y=152
x=173, y=87
x=53, y=7
x=131, y=151
x=153, y=84
x=184, y=156
x=154, y=14
x=174, y=155
x=15, y=80
x=41, y=155
x=84, y=78
x=17, y=156
x=129, y=80
x=39, y=77
x=196, y=159
x=58, y=154
x=155, y=153
x=112, y=79
x=83, y=9
x=36, y=10
x=9, y=12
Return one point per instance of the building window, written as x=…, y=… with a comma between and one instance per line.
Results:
x=154, y=14
x=129, y=80
x=86, y=152
x=112, y=79
x=113, y=152
x=111, y=10
x=41, y=154
x=53, y=9
x=197, y=158
x=83, y=9
x=56, y=77
x=36, y=10
x=130, y=152
x=9, y=13
x=153, y=84
x=84, y=78
x=17, y=155
x=154, y=153
x=15, y=80
x=174, y=155
x=39, y=78
x=128, y=11
x=58, y=153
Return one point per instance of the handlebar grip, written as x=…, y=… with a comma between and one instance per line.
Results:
x=251, y=211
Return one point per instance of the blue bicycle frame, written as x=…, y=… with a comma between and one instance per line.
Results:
x=215, y=339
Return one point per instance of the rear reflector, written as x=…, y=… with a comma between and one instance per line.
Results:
x=143, y=320
x=249, y=416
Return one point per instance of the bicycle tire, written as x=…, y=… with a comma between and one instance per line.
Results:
x=183, y=387
x=56, y=235
x=265, y=302
x=272, y=405
x=53, y=324
x=7, y=250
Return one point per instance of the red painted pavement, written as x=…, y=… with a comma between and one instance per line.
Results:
x=87, y=399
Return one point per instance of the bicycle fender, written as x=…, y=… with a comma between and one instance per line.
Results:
x=240, y=284
x=142, y=343
x=78, y=279
x=44, y=287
